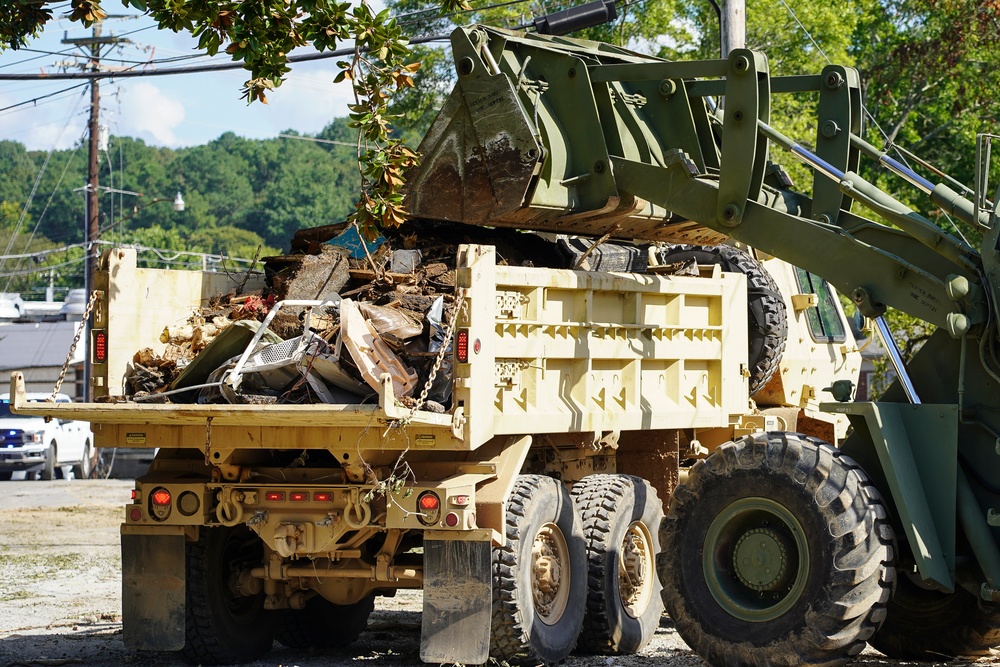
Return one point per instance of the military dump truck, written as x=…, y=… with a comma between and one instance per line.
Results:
x=532, y=505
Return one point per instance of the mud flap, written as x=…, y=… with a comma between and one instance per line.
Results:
x=457, y=602
x=153, y=589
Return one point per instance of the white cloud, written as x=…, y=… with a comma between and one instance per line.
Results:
x=148, y=113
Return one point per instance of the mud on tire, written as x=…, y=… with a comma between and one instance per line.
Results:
x=621, y=522
x=767, y=317
x=777, y=550
x=539, y=575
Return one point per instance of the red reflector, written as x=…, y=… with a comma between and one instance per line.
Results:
x=322, y=497
x=161, y=497
x=451, y=520
x=275, y=496
x=100, y=347
x=428, y=501
x=462, y=346
x=298, y=496
x=135, y=514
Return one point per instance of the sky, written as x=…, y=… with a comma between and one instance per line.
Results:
x=171, y=111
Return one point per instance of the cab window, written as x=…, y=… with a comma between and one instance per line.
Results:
x=825, y=323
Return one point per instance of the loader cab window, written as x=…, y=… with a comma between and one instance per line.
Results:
x=825, y=323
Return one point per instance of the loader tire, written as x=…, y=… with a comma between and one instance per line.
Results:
x=324, y=625
x=766, y=313
x=621, y=525
x=222, y=626
x=929, y=625
x=777, y=551
x=539, y=575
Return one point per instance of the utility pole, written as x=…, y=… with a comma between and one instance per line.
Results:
x=93, y=219
x=733, y=26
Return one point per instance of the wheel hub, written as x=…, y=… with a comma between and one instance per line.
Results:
x=549, y=573
x=635, y=570
x=759, y=560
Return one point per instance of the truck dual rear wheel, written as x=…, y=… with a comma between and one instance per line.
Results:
x=923, y=624
x=776, y=551
x=539, y=575
x=621, y=523
x=767, y=318
x=222, y=625
x=322, y=624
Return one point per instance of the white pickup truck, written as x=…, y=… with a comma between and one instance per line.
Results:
x=43, y=448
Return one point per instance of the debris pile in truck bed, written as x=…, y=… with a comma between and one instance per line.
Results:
x=336, y=314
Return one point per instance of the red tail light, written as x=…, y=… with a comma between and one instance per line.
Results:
x=462, y=346
x=275, y=496
x=298, y=496
x=428, y=501
x=322, y=497
x=161, y=497
x=100, y=346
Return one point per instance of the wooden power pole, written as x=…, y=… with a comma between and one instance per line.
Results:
x=93, y=218
x=733, y=26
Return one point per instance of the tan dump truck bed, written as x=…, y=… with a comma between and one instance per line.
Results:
x=551, y=351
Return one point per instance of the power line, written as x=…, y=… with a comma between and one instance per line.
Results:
x=192, y=69
x=42, y=97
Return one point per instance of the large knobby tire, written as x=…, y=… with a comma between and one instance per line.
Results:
x=539, y=575
x=777, y=550
x=766, y=313
x=922, y=624
x=83, y=469
x=49, y=467
x=222, y=626
x=322, y=624
x=621, y=525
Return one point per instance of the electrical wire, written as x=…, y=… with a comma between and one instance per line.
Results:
x=35, y=100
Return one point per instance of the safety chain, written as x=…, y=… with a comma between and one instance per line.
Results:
x=461, y=309
x=72, y=347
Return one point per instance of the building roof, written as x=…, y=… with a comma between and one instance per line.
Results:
x=37, y=344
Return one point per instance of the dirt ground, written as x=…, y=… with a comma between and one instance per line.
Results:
x=60, y=597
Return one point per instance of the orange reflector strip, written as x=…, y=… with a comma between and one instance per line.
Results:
x=275, y=496
x=161, y=497
x=298, y=496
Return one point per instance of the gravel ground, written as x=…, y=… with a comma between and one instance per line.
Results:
x=60, y=600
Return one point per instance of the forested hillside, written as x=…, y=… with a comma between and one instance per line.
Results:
x=240, y=194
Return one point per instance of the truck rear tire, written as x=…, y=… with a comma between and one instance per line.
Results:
x=929, y=625
x=539, y=575
x=223, y=626
x=621, y=525
x=767, y=317
x=49, y=467
x=322, y=624
x=777, y=550
x=83, y=468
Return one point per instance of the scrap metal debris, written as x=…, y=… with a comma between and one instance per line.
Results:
x=339, y=312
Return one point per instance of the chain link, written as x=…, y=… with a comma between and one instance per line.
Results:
x=72, y=347
x=461, y=309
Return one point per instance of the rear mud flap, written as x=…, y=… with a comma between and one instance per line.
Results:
x=457, y=602
x=153, y=588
